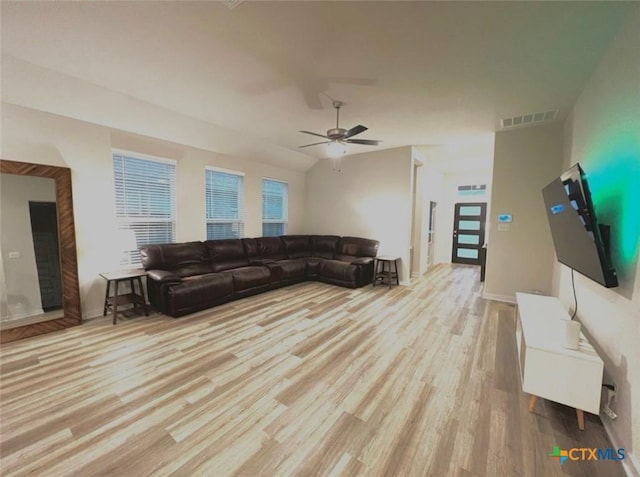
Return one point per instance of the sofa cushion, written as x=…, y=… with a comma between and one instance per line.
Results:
x=226, y=254
x=250, y=277
x=198, y=292
x=183, y=259
x=270, y=248
x=324, y=245
x=297, y=246
x=288, y=270
x=335, y=269
x=357, y=247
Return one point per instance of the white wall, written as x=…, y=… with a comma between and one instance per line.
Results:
x=521, y=259
x=603, y=134
x=417, y=206
x=370, y=198
x=44, y=138
x=433, y=192
x=21, y=290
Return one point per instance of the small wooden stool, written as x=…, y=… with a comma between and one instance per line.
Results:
x=382, y=273
x=132, y=298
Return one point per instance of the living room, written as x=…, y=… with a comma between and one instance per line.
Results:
x=69, y=99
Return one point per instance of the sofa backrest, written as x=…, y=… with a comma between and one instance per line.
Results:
x=270, y=248
x=226, y=254
x=355, y=247
x=250, y=248
x=297, y=246
x=184, y=259
x=324, y=246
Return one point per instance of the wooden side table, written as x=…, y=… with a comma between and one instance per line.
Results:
x=382, y=273
x=132, y=298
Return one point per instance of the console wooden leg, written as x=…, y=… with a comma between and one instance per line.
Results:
x=580, y=415
x=532, y=402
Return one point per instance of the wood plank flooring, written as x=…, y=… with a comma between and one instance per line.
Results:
x=309, y=380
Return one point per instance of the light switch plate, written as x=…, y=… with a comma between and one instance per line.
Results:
x=14, y=254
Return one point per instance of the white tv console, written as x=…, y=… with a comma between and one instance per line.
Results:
x=548, y=369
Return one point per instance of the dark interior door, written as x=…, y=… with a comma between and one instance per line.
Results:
x=44, y=228
x=468, y=232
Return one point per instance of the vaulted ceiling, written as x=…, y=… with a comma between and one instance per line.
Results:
x=415, y=73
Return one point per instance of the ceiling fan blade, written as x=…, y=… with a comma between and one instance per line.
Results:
x=355, y=130
x=315, y=134
x=366, y=142
x=314, y=144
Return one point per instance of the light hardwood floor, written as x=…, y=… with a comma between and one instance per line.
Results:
x=309, y=380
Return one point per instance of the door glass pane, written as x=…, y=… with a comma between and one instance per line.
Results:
x=470, y=210
x=469, y=225
x=469, y=239
x=467, y=253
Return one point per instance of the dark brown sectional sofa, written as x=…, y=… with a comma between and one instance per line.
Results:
x=188, y=277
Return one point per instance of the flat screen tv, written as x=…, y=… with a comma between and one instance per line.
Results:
x=580, y=242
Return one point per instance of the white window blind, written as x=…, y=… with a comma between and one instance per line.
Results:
x=275, y=205
x=223, y=195
x=145, y=200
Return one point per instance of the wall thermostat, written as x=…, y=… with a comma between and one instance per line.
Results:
x=503, y=218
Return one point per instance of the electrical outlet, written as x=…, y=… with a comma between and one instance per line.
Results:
x=612, y=415
x=14, y=254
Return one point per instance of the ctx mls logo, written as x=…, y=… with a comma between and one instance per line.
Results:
x=586, y=453
x=559, y=455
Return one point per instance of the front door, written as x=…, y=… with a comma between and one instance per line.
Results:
x=468, y=232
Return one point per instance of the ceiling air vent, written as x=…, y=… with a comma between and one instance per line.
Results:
x=529, y=119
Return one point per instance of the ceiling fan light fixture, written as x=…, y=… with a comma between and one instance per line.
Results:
x=336, y=149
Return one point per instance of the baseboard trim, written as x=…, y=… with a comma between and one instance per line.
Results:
x=89, y=314
x=24, y=314
x=497, y=297
x=630, y=464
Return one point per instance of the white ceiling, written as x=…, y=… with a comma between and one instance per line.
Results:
x=415, y=73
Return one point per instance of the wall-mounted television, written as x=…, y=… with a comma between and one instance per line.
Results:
x=581, y=243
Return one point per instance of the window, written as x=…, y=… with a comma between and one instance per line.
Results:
x=223, y=195
x=145, y=200
x=275, y=198
x=478, y=189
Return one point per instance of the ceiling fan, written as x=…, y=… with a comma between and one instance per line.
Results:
x=340, y=136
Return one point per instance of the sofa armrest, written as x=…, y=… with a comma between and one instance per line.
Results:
x=362, y=261
x=163, y=277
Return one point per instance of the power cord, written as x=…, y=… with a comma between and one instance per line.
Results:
x=575, y=298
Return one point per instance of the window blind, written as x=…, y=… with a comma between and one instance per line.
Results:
x=274, y=207
x=223, y=196
x=145, y=200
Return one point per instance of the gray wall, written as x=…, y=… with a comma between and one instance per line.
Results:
x=521, y=259
x=603, y=134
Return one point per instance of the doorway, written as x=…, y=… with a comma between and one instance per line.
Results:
x=416, y=248
x=44, y=228
x=468, y=232
x=431, y=233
